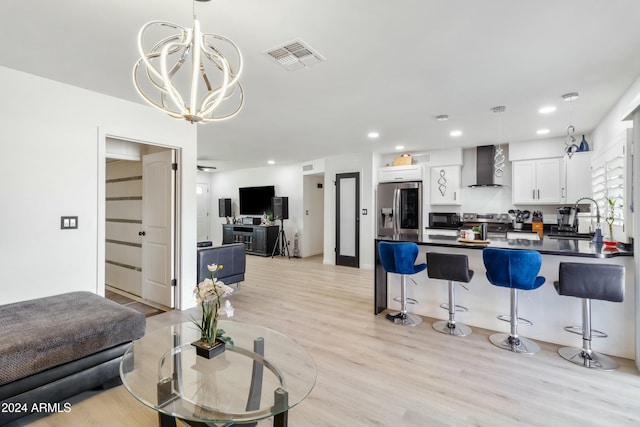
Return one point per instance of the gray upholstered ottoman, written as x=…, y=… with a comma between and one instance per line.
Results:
x=56, y=347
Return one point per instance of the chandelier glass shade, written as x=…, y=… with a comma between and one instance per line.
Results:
x=188, y=74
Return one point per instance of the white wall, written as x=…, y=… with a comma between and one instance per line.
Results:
x=357, y=162
x=287, y=181
x=313, y=215
x=604, y=134
x=53, y=138
x=485, y=199
x=611, y=124
x=290, y=181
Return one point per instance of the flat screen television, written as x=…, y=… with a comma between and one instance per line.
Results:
x=256, y=200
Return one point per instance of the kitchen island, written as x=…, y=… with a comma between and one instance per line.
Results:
x=548, y=311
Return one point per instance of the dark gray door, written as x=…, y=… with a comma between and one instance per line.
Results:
x=348, y=219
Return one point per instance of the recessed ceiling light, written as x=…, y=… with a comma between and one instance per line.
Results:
x=542, y=131
x=455, y=133
x=547, y=110
x=399, y=147
x=572, y=96
x=373, y=135
x=271, y=162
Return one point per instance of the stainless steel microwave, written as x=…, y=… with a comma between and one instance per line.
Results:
x=444, y=220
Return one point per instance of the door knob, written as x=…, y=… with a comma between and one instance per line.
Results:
x=142, y=233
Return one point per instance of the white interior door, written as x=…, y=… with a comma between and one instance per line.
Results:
x=158, y=201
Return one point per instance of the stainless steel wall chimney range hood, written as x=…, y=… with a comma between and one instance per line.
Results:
x=484, y=167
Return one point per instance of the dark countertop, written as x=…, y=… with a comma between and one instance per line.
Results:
x=546, y=246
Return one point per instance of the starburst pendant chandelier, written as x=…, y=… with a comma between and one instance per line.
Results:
x=188, y=74
x=499, y=157
x=570, y=145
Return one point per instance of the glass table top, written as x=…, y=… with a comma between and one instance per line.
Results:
x=240, y=385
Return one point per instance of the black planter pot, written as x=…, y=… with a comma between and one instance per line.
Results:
x=208, y=351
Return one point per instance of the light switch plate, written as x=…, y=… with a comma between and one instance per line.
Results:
x=68, y=222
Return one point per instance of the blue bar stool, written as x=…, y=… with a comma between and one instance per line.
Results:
x=454, y=268
x=589, y=281
x=399, y=258
x=517, y=270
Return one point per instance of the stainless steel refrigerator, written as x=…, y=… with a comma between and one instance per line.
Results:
x=399, y=208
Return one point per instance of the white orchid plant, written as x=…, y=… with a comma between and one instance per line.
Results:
x=209, y=294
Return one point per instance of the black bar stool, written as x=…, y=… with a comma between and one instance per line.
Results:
x=454, y=268
x=517, y=270
x=589, y=281
x=399, y=258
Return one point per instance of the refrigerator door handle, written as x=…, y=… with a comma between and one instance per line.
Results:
x=396, y=210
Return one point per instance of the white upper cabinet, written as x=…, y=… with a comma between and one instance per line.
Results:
x=540, y=181
x=400, y=173
x=445, y=185
x=578, y=169
x=550, y=181
x=523, y=181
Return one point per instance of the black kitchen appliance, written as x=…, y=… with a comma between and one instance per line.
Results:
x=485, y=172
x=445, y=220
x=495, y=223
x=567, y=219
x=567, y=227
x=399, y=208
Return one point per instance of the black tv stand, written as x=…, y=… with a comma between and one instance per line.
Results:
x=257, y=239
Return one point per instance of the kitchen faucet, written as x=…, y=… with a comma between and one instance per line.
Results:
x=597, y=208
x=597, y=237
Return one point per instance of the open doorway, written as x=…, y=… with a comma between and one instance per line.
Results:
x=140, y=223
x=203, y=202
x=312, y=242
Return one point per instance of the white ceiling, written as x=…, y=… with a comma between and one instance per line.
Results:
x=391, y=66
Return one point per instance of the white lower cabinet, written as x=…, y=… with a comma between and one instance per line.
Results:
x=445, y=185
x=540, y=181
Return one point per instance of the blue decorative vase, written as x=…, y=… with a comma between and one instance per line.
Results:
x=583, y=145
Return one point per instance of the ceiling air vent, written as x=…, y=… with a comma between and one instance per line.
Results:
x=294, y=55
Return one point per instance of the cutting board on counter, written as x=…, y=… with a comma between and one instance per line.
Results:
x=477, y=242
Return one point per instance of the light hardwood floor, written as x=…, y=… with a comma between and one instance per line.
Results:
x=374, y=373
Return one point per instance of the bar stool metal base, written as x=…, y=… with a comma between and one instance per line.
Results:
x=455, y=329
x=591, y=360
x=450, y=326
x=516, y=345
x=404, y=319
x=407, y=300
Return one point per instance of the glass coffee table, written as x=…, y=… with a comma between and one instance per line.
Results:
x=262, y=375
